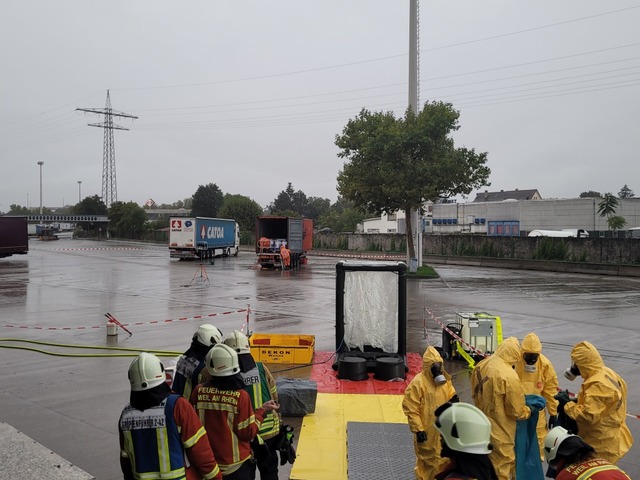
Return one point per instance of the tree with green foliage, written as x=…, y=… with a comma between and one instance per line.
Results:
x=399, y=163
x=207, y=201
x=242, y=209
x=15, y=209
x=616, y=222
x=316, y=207
x=90, y=206
x=608, y=205
x=626, y=192
x=342, y=216
x=127, y=220
x=590, y=194
x=607, y=208
x=289, y=200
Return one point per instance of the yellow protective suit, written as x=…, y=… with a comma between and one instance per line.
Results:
x=538, y=379
x=602, y=405
x=421, y=399
x=497, y=391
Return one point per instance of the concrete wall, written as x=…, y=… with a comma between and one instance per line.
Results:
x=612, y=251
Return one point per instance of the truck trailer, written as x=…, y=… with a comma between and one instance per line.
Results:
x=14, y=239
x=202, y=237
x=274, y=231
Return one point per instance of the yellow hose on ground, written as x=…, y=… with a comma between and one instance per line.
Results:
x=130, y=351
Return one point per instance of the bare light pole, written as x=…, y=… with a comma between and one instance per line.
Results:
x=413, y=215
x=79, y=194
x=40, y=163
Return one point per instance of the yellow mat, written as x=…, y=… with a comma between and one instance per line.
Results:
x=322, y=446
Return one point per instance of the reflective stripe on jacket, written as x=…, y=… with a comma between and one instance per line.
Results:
x=593, y=469
x=261, y=387
x=152, y=441
x=230, y=422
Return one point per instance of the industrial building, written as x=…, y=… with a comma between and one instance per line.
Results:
x=510, y=216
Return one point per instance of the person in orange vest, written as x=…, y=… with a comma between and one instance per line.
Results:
x=285, y=255
x=160, y=434
x=264, y=244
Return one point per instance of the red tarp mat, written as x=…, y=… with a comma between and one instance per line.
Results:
x=328, y=382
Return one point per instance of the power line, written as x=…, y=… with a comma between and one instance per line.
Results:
x=272, y=75
x=526, y=30
x=535, y=62
x=109, y=184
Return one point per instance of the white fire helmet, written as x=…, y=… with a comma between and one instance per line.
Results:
x=553, y=440
x=465, y=428
x=146, y=372
x=222, y=361
x=238, y=341
x=208, y=335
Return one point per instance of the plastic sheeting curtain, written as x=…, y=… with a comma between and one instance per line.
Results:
x=371, y=310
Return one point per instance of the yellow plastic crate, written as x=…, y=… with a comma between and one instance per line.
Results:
x=282, y=347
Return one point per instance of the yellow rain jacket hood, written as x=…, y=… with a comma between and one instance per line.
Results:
x=497, y=391
x=601, y=409
x=531, y=344
x=421, y=399
x=509, y=351
x=538, y=379
x=587, y=358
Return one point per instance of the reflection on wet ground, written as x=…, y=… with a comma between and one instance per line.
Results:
x=73, y=283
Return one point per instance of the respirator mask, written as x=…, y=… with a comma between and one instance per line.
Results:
x=572, y=372
x=530, y=360
x=438, y=375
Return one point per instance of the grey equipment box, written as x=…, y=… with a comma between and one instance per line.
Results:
x=297, y=397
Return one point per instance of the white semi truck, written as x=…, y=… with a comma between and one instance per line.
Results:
x=202, y=237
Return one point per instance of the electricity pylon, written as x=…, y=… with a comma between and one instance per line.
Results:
x=109, y=184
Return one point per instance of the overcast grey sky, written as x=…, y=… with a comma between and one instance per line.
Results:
x=250, y=94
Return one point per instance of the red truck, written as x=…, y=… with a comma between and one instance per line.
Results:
x=296, y=233
x=14, y=239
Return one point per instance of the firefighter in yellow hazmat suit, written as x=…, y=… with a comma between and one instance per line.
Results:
x=497, y=391
x=538, y=377
x=425, y=393
x=601, y=409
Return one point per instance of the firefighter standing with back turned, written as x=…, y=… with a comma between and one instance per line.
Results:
x=225, y=411
x=261, y=386
x=160, y=434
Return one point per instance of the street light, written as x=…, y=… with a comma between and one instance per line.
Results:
x=79, y=194
x=40, y=163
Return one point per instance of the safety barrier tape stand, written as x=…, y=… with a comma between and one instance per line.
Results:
x=469, y=359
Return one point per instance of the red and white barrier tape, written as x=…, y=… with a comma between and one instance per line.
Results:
x=381, y=256
x=87, y=249
x=152, y=322
x=455, y=335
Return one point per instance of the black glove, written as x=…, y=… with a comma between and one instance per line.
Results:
x=562, y=397
x=421, y=437
x=553, y=421
x=285, y=445
x=287, y=454
x=455, y=399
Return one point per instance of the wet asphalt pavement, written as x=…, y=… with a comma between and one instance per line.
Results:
x=61, y=290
